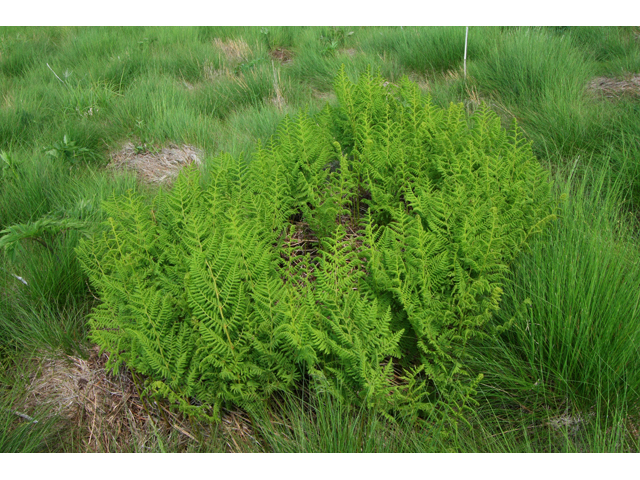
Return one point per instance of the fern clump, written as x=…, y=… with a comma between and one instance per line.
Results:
x=363, y=247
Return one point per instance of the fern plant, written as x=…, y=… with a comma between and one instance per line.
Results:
x=42, y=231
x=364, y=247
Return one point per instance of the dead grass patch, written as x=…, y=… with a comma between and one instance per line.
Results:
x=349, y=52
x=278, y=99
x=156, y=166
x=427, y=81
x=451, y=76
x=7, y=100
x=474, y=99
x=616, y=87
x=282, y=55
x=212, y=73
x=234, y=50
x=105, y=412
x=422, y=81
x=329, y=96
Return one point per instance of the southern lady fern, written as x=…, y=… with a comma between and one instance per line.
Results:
x=364, y=247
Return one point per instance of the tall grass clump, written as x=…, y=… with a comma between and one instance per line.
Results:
x=527, y=67
x=578, y=340
x=315, y=422
x=24, y=435
x=239, y=133
x=21, y=51
x=615, y=49
x=622, y=153
x=426, y=49
x=318, y=70
x=43, y=291
x=251, y=87
x=542, y=79
x=22, y=432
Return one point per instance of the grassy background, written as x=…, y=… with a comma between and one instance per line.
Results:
x=565, y=378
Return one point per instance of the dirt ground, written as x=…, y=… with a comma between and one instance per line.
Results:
x=156, y=165
x=616, y=87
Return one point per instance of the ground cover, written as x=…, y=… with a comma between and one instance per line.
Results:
x=563, y=378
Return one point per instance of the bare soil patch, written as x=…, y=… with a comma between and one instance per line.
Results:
x=329, y=96
x=156, y=166
x=351, y=52
x=282, y=55
x=616, y=87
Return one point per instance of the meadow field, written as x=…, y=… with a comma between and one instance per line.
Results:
x=90, y=115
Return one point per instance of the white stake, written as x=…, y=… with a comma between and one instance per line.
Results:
x=466, y=37
x=57, y=76
x=20, y=278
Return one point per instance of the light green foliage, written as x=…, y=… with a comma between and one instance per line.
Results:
x=364, y=246
x=9, y=166
x=451, y=205
x=68, y=150
x=191, y=288
x=41, y=231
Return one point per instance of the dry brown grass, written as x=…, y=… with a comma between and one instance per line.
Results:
x=616, y=87
x=350, y=52
x=104, y=412
x=326, y=96
x=156, y=166
x=8, y=100
x=234, y=50
x=277, y=99
x=427, y=81
x=213, y=74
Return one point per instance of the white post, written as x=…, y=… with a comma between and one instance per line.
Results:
x=466, y=37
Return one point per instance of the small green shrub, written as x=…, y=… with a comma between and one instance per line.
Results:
x=332, y=39
x=9, y=166
x=69, y=151
x=364, y=248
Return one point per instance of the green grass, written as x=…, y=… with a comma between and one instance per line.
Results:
x=429, y=49
x=523, y=68
x=565, y=378
x=38, y=431
x=614, y=49
x=541, y=77
x=581, y=334
x=573, y=353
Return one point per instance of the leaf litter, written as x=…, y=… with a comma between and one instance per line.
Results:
x=156, y=166
x=106, y=412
